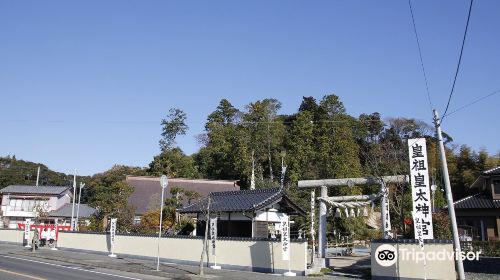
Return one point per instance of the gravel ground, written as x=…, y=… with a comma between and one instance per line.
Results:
x=481, y=276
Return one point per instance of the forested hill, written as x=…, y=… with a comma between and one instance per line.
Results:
x=319, y=140
x=20, y=172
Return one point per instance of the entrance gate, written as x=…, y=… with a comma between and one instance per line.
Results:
x=365, y=181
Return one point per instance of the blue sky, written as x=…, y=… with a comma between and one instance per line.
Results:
x=85, y=84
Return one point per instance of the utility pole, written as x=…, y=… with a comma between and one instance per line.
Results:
x=164, y=185
x=449, y=198
x=73, y=206
x=204, y=249
x=78, y=208
x=37, y=175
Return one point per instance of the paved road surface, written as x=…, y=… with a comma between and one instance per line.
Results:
x=24, y=268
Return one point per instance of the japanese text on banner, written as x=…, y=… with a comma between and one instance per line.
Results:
x=213, y=233
x=420, y=189
x=27, y=229
x=285, y=238
x=112, y=230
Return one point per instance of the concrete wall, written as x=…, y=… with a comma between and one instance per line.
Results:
x=12, y=236
x=240, y=254
x=407, y=267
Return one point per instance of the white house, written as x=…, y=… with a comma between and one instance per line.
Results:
x=20, y=202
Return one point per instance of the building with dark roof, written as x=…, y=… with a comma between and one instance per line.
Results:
x=64, y=213
x=33, y=190
x=478, y=215
x=147, y=190
x=246, y=213
x=20, y=202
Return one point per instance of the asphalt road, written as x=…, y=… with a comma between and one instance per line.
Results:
x=21, y=268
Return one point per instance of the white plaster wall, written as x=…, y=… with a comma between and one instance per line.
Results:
x=15, y=236
x=63, y=200
x=53, y=203
x=242, y=254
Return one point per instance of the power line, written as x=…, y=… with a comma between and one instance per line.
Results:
x=459, y=60
x=472, y=103
x=420, y=55
x=156, y=122
x=139, y=122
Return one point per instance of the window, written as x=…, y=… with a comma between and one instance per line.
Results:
x=27, y=205
x=496, y=187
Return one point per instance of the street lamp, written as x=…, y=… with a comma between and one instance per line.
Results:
x=433, y=189
x=164, y=184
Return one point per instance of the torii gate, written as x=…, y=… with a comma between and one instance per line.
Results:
x=324, y=184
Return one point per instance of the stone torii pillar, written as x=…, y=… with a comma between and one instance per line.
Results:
x=324, y=184
x=322, y=223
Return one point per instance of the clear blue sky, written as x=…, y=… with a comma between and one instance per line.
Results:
x=84, y=84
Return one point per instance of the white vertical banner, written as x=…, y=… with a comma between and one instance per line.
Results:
x=387, y=225
x=420, y=189
x=213, y=233
x=313, y=209
x=112, y=233
x=313, y=206
x=387, y=219
x=112, y=230
x=285, y=238
x=27, y=229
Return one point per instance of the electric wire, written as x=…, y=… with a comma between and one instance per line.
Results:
x=459, y=61
x=156, y=122
x=420, y=55
x=472, y=103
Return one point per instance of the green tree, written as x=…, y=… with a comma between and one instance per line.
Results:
x=108, y=193
x=301, y=148
x=338, y=151
x=173, y=126
x=264, y=131
x=19, y=172
x=173, y=163
x=111, y=201
x=217, y=159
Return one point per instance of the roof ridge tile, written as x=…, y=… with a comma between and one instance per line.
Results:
x=494, y=169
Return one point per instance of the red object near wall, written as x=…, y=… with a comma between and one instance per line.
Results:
x=42, y=227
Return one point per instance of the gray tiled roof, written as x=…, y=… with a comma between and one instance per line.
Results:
x=20, y=189
x=495, y=170
x=148, y=189
x=65, y=211
x=245, y=200
x=477, y=201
